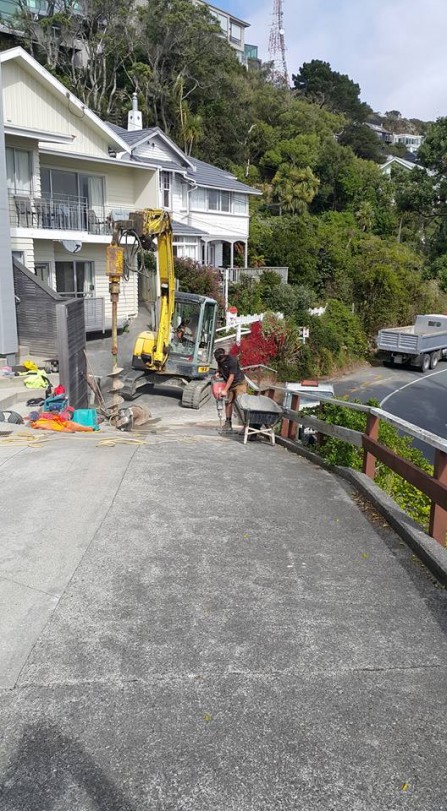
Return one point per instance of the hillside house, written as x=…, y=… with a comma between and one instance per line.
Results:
x=209, y=206
x=65, y=184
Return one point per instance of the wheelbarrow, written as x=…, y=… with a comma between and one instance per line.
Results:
x=259, y=415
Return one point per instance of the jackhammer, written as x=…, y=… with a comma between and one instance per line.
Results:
x=217, y=390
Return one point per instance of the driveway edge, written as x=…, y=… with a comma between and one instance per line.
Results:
x=429, y=551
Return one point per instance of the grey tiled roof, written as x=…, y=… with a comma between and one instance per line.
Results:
x=131, y=137
x=171, y=166
x=204, y=175
x=180, y=229
x=208, y=175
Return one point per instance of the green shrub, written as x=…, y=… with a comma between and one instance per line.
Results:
x=341, y=453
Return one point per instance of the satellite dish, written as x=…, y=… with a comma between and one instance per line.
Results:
x=71, y=246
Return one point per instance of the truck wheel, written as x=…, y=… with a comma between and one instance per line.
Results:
x=425, y=363
x=434, y=360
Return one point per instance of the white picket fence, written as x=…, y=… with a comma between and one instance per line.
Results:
x=238, y=322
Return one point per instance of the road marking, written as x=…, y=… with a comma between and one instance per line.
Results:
x=412, y=383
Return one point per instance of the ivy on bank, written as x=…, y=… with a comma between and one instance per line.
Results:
x=337, y=452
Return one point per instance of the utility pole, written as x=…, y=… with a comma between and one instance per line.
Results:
x=8, y=319
x=277, y=45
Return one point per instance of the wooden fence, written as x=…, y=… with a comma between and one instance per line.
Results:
x=434, y=487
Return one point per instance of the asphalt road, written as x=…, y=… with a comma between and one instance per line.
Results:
x=415, y=397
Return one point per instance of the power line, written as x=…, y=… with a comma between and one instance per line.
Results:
x=277, y=44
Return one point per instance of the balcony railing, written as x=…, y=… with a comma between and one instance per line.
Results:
x=58, y=213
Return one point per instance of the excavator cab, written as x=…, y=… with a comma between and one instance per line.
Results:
x=189, y=355
x=192, y=338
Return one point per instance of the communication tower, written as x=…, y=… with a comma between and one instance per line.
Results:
x=277, y=44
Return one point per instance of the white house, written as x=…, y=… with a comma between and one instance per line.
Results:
x=394, y=160
x=64, y=183
x=209, y=206
x=409, y=140
x=233, y=29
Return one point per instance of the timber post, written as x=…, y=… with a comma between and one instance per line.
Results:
x=438, y=515
x=369, y=460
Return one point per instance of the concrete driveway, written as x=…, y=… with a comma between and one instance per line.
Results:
x=197, y=625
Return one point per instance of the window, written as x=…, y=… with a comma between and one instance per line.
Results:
x=199, y=200
x=235, y=34
x=74, y=279
x=185, y=248
x=240, y=204
x=225, y=201
x=165, y=189
x=214, y=200
x=219, y=200
x=19, y=172
x=185, y=324
x=58, y=183
x=207, y=333
x=43, y=272
x=222, y=20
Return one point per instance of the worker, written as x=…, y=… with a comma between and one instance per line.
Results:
x=184, y=333
x=235, y=383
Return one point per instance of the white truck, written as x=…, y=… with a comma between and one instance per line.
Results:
x=422, y=344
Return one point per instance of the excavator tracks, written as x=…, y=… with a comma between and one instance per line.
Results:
x=196, y=393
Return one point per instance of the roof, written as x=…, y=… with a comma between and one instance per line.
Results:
x=406, y=164
x=199, y=172
x=180, y=229
x=32, y=65
x=136, y=137
x=132, y=137
x=208, y=175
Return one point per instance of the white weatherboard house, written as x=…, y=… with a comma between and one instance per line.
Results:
x=64, y=183
x=209, y=206
x=70, y=175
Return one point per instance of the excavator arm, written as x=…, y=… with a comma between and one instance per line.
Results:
x=147, y=225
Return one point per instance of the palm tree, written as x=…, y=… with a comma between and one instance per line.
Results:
x=294, y=188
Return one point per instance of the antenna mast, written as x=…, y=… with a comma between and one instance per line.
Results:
x=277, y=44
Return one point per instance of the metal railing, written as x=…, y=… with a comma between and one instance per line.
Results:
x=434, y=487
x=58, y=213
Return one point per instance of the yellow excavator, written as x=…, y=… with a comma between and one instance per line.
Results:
x=180, y=344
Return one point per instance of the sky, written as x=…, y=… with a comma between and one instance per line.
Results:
x=395, y=49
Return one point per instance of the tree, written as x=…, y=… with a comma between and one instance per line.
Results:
x=201, y=279
x=389, y=289
x=189, y=80
x=433, y=152
x=336, y=91
x=362, y=181
x=287, y=241
x=332, y=163
x=294, y=188
x=87, y=51
x=363, y=142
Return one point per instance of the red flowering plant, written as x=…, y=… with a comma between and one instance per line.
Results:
x=272, y=342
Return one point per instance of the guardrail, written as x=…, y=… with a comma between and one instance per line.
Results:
x=434, y=487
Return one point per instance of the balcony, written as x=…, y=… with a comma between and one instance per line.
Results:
x=58, y=213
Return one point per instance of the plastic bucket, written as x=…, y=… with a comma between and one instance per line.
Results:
x=86, y=416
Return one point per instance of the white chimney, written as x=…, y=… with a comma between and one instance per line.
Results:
x=134, y=116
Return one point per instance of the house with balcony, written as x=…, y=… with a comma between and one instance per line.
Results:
x=209, y=206
x=66, y=184
x=233, y=29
